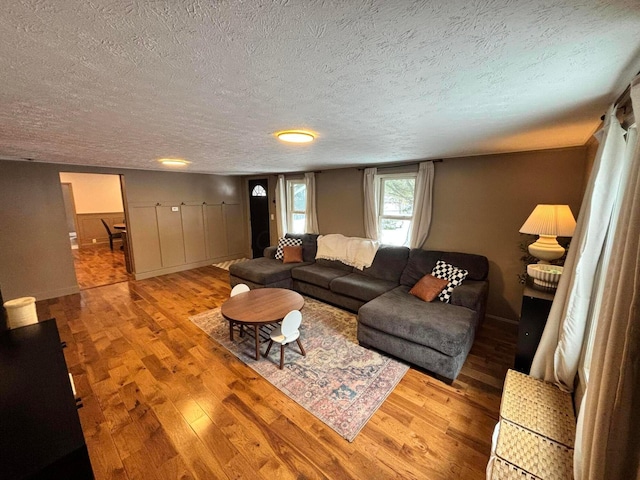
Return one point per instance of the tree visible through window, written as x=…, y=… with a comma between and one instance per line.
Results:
x=296, y=205
x=395, y=208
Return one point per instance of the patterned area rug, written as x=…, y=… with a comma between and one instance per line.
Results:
x=225, y=265
x=340, y=382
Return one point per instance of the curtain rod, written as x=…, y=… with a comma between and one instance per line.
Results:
x=623, y=99
x=294, y=173
x=401, y=164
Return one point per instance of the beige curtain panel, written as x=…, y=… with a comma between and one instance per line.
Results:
x=608, y=437
x=558, y=354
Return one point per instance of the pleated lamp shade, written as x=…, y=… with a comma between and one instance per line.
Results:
x=556, y=220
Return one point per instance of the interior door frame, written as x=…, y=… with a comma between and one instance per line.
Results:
x=73, y=206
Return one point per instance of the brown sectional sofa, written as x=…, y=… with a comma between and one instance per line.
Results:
x=433, y=335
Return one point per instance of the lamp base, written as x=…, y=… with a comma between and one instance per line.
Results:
x=546, y=248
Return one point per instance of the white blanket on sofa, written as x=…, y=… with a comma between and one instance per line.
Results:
x=354, y=251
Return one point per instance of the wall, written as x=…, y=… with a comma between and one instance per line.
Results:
x=93, y=193
x=149, y=196
x=339, y=197
x=35, y=254
x=480, y=203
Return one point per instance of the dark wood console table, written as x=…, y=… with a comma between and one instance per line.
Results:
x=536, y=305
x=40, y=432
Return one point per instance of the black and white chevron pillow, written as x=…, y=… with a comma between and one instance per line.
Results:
x=455, y=276
x=286, y=242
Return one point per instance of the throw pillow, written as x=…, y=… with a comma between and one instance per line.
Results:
x=292, y=254
x=286, y=242
x=428, y=287
x=454, y=275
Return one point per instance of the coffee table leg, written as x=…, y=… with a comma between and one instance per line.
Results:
x=230, y=330
x=257, y=342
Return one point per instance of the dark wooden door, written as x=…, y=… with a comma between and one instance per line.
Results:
x=259, y=213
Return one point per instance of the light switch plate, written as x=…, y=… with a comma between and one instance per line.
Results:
x=175, y=209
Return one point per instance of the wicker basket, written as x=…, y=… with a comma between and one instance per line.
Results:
x=536, y=432
x=503, y=470
x=540, y=407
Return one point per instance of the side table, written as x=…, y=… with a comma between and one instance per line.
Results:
x=536, y=305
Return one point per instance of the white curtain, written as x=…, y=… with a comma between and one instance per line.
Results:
x=311, y=214
x=607, y=439
x=281, y=206
x=370, y=203
x=558, y=354
x=422, y=205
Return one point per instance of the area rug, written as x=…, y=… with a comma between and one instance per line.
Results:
x=339, y=382
x=225, y=265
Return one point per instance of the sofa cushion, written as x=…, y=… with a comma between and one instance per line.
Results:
x=471, y=294
x=286, y=242
x=263, y=270
x=388, y=263
x=428, y=288
x=309, y=244
x=292, y=254
x=453, y=274
x=422, y=262
x=361, y=286
x=317, y=274
x=444, y=327
x=337, y=264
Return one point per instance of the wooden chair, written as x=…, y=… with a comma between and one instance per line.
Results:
x=286, y=333
x=111, y=234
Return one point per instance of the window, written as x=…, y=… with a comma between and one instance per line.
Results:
x=296, y=205
x=259, y=191
x=395, y=208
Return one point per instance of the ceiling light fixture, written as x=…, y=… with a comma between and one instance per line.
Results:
x=296, y=136
x=173, y=162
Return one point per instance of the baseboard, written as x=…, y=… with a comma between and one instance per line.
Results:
x=177, y=268
x=501, y=319
x=59, y=292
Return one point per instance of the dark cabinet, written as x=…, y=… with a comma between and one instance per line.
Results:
x=536, y=305
x=41, y=436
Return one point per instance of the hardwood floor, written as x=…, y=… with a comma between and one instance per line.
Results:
x=98, y=265
x=164, y=401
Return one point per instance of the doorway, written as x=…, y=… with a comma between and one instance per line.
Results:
x=70, y=213
x=259, y=213
x=94, y=208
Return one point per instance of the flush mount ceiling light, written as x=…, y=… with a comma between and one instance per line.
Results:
x=173, y=162
x=296, y=136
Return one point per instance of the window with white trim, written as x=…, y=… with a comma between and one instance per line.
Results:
x=395, y=207
x=296, y=205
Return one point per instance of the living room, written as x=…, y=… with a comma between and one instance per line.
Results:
x=163, y=400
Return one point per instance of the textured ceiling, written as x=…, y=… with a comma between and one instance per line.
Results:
x=121, y=83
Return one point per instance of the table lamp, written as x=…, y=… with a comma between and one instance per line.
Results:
x=548, y=222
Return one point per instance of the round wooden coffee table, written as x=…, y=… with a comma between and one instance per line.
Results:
x=258, y=307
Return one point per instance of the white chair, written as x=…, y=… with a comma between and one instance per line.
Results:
x=239, y=288
x=286, y=333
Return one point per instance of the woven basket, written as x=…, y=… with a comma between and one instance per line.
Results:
x=540, y=407
x=503, y=470
x=534, y=453
x=524, y=386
